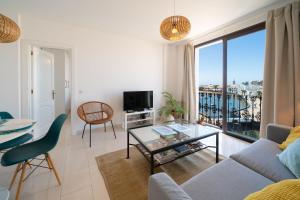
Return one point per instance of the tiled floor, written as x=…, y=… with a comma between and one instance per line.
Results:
x=75, y=161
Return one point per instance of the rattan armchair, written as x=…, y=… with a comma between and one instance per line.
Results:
x=95, y=113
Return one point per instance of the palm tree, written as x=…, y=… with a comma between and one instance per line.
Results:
x=215, y=87
x=243, y=92
x=259, y=94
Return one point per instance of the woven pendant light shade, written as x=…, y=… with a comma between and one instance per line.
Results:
x=9, y=30
x=175, y=28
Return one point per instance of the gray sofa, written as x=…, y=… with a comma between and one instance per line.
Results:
x=232, y=179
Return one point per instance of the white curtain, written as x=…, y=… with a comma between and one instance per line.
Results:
x=189, y=84
x=281, y=86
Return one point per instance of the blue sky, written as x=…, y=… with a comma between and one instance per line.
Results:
x=245, y=60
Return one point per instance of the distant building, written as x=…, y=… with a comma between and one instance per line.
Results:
x=252, y=88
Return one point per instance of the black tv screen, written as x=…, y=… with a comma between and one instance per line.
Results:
x=137, y=100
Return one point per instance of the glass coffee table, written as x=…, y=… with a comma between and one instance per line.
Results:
x=161, y=146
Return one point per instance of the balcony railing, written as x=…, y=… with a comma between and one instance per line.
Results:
x=243, y=111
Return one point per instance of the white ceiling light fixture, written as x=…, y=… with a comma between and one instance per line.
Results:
x=175, y=27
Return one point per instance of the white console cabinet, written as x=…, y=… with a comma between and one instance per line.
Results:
x=132, y=119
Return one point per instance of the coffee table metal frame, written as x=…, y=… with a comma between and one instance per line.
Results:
x=151, y=159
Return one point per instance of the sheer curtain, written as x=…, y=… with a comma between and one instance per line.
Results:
x=189, y=84
x=281, y=86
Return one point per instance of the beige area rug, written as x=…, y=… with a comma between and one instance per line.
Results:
x=127, y=179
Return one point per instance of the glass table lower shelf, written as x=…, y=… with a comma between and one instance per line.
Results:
x=159, y=150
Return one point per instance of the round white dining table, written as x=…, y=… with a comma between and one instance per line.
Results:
x=5, y=137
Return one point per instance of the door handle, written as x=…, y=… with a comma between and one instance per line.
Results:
x=53, y=94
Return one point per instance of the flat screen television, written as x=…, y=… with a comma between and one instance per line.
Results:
x=137, y=100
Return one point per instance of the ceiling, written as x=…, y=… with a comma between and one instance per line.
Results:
x=138, y=18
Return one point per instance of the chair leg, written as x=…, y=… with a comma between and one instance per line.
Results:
x=21, y=180
x=83, y=131
x=28, y=163
x=105, y=127
x=49, y=160
x=14, y=177
x=49, y=164
x=90, y=135
x=112, y=125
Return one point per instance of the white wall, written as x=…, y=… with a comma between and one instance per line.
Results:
x=103, y=65
x=9, y=74
x=59, y=79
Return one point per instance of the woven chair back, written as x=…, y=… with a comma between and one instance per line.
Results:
x=95, y=112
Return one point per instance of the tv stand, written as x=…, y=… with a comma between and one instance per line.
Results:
x=135, y=118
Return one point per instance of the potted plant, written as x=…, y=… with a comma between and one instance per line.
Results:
x=172, y=109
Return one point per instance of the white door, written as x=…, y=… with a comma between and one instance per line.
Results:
x=43, y=92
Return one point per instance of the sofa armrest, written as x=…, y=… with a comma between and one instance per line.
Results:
x=162, y=187
x=277, y=133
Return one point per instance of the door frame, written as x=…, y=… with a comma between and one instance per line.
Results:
x=26, y=73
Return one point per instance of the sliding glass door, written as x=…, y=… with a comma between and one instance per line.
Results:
x=210, y=70
x=210, y=81
x=245, y=59
x=230, y=78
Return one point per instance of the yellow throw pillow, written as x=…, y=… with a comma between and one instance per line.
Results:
x=284, y=190
x=294, y=135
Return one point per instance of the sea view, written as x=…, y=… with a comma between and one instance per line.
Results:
x=243, y=106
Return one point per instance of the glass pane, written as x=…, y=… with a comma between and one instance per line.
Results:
x=244, y=83
x=209, y=62
x=151, y=137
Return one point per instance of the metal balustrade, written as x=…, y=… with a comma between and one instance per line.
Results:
x=243, y=111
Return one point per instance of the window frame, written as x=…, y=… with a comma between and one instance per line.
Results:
x=225, y=38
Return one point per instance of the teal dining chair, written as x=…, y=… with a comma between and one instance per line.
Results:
x=14, y=142
x=24, y=155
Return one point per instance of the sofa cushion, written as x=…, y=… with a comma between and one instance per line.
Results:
x=283, y=190
x=290, y=157
x=261, y=157
x=227, y=180
x=293, y=136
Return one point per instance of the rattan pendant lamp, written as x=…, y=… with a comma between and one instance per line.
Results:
x=9, y=30
x=175, y=27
